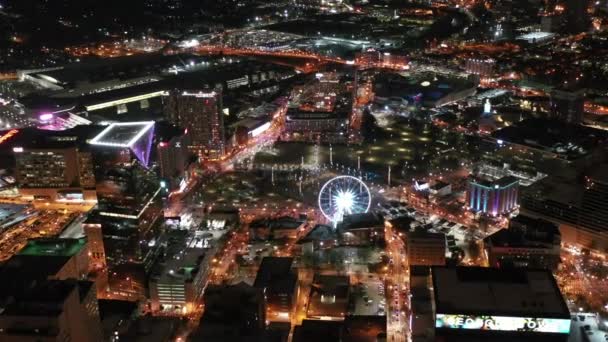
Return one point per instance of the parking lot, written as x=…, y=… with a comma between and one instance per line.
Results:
x=368, y=296
x=35, y=224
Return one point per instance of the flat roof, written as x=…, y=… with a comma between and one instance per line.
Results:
x=502, y=182
x=568, y=141
x=276, y=275
x=122, y=134
x=53, y=247
x=501, y=292
x=361, y=221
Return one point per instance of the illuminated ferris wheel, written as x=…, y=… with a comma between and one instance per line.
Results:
x=344, y=195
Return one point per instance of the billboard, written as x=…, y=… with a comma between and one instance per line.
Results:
x=503, y=323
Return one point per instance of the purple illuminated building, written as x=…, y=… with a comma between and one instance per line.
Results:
x=494, y=198
x=125, y=225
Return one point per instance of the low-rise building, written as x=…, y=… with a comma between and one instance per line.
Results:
x=491, y=304
x=425, y=248
x=361, y=229
x=285, y=227
x=177, y=281
x=328, y=297
x=232, y=313
x=528, y=242
x=278, y=282
x=493, y=197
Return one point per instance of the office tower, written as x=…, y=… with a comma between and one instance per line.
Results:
x=528, y=242
x=128, y=207
x=173, y=155
x=576, y=16
x=495, y=197
x=567, y=106
x=52, y=258
x=594, y=209
x=425, y=249
x=41, y=298
x=62, y=174
x=579, y=208
x=50, y=310
x=200, y=113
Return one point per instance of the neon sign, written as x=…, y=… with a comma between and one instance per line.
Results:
x=503, y=323
x=8, y=135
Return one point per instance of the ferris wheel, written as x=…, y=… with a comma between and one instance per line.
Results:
x=344, y=195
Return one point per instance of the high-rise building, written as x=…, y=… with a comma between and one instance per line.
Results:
x=495, y=197
x=581, y=209
x=528, y=242
x=567, y=106
x=53, y=165
x=51, y=310
x=576, y=15
x=201, y=114
x=42, y=298
x=425, y=248
x=61, y=174
x=173, y=156
x=128, y=204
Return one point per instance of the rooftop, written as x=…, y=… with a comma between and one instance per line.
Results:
x=567, y=141
x=493, y=291
x=422, y=234
x=122, y=134
x=53, y=247
x=422, y=87
x=502, y=182
x=276, y=275
x=137, y=136
x=319, y=331
x=182, y=259
x=320, y=232
x=526, y=231
x=361, y=221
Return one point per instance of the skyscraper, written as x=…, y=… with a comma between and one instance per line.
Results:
x=128, y=205
x=200, y=114
x=577, y=18
x=567, y=106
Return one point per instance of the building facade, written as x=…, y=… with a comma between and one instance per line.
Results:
x=482, y=67
x=173, y=160
x=55, y=174
x=580, y=209
x=528, y=242
x=425, y=249
x=567, y=106
x=278, y=282
x=52, y=310
x=200, y=113
x=493, y=197
x=128, y=204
